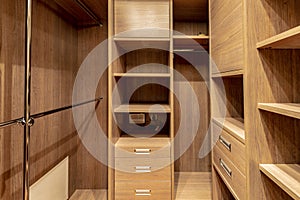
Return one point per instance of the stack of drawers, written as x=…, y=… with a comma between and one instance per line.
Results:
x=143, y=169
x=229, y=160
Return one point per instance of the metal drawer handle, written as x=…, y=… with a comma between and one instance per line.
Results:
x=226, y=168
x=225, y=143
x=142, y=151
x=142, y=192
x=143, y=169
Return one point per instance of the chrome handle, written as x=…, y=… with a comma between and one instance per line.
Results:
x=226, y=168
x=142, y=192
x=143, y=169
x=226, y=144
x=142, y=151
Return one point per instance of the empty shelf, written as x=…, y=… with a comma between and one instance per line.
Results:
x=286, y=109
x=287, y=40
x=235, y=126
x=286, y=176
x=139, y=43
x=143, y=108
x=228, y=74
x=186, y=42
x=143, y=75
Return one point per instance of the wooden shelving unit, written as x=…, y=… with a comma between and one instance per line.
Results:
x=140, y=49
x=142, y=108
x=286, y=176
x=273, y=109
x=235, y=126
x=286, y=109
x=143, y=75
x=287, y=40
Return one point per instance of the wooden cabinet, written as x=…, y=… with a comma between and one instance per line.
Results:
x=143, y=170
x=227, y=35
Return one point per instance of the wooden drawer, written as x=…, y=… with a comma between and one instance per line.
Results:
x=233, y=178
x=142, y=169
x=127, y=190
x=232, y=148
x=143, y=148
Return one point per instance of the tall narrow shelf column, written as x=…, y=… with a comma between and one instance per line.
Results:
x=141, y=100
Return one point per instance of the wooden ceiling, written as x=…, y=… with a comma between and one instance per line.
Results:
x=191, y=10
x=72, y=12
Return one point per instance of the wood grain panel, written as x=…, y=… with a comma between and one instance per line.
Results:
x=54, y=63
x=227, y=48
x=130, y=15
x=190, y=160
x=11, y=97
x=91, y=173
x=192, y=10
x=273, y=139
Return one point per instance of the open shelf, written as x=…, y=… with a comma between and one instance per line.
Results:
x=190, y=42
x=143, y=108
x=228, y=74
x=143, y=75
x=286, y=176
x=287, y=40
x=286, y=109
x=130, y=43
x=235, y=126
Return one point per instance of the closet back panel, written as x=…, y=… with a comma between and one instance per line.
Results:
x=54, y=63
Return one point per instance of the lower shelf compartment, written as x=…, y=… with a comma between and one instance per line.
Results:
x=286, y=176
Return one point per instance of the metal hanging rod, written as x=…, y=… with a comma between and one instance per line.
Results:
x=10, y=122
x=89, y=12
x=49, y=112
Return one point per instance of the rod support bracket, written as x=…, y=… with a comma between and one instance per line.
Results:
x=23, y=122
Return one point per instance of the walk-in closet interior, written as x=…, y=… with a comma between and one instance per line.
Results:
x=149, y=99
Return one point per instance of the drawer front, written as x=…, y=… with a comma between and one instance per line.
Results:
x=234, y=179
x=143, y=148
x=127, y=190
x=233, y=149
x=142, y=169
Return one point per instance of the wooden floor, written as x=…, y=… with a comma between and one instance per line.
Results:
x=188, y=186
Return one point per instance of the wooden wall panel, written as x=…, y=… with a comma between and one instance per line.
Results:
x=227, y=44
x=11, y=97
x=272, y=76
x=190, y=160
x=142, y=15
x=91, y=173
x=54, y=63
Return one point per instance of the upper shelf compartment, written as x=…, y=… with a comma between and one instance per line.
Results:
x=133, y=18
x=287, y=40
x=191, y=10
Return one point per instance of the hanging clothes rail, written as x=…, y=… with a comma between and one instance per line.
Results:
x=20, y=121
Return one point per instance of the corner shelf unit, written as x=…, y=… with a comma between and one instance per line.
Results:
x=286, y=176
x=286, y=109
x=287, y=40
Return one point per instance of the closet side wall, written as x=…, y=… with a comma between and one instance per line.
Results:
x=91, y=173
x=54, y=63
